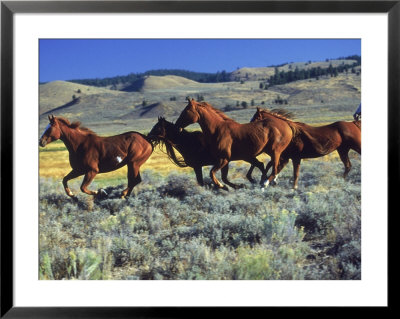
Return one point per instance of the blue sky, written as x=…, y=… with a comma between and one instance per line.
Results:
x=68, y=59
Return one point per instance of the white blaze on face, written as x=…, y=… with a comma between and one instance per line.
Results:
x=119, y=159
x=47, y=127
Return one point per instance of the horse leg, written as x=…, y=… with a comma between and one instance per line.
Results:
x=275, y=157
x=254, y=163
x=344, y=156
x=89, y=176
x=296, y=170
x=248, y=175
x=282, y=163
x=199, y=175
x=224, y=175
x=134, y=178
x=221, y=163
x=265, y=173
x=71, y=175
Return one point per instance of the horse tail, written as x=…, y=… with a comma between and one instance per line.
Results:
x=172, y=155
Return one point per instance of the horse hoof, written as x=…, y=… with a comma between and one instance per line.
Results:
x=101, y=193
x=74, y=198
x=265, y=184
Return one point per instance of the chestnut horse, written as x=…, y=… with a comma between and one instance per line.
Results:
x=312, y=142
x=231, y=141
x=90, y=154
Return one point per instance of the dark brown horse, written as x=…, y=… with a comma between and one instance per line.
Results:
x=231, y=141
x=90, y=154
x=312, y=142
x=191, y=145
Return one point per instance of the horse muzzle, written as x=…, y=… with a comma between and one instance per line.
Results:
x=42, y=142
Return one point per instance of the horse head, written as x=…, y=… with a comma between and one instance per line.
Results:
x=188, y=116
x=159, y=129
x=51, y=133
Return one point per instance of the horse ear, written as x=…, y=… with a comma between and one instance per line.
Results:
x=258, y=109
x=51, y=118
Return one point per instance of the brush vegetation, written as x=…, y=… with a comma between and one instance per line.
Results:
x=171, y=228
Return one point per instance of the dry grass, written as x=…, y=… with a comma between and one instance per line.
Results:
x=54, y=163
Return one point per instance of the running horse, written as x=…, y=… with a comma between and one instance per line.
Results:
x=191, y=145
x=316, y=141
x=90, y=154
x=231, y=141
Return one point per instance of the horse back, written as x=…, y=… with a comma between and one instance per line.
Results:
x=256, y=137
x=109, y=153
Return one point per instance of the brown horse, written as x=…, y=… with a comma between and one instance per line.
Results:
x=230, y=140
x=312, y=142
x=90, y=154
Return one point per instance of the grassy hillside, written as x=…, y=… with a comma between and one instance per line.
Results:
x=58, y=93
x=263, y=73
x=112, y=111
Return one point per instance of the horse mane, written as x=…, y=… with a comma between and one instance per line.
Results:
x=169, y=150
x=75, y=125
x=219, y=112
x=286, y=116
x=280, y=114
x=172, y=155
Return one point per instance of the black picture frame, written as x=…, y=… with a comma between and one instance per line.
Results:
x=9, y=8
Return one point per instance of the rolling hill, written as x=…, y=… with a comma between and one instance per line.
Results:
x=144, y=100
x=55, y=94
x=152, y=82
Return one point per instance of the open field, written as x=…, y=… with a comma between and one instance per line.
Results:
x=171, y=228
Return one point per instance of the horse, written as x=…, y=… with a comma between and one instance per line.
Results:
x=90, y=154
x=191, y=145
x=313, y=142
x=231, y=141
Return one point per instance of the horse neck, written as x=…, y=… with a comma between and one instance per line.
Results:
x=173, y=135
x=209, y=120
x=72, y=138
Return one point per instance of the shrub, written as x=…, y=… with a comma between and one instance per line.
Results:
x=174, y=229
